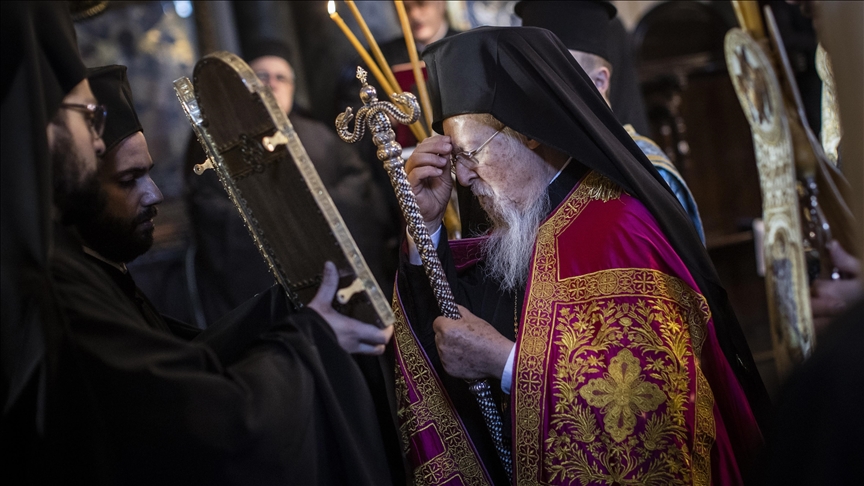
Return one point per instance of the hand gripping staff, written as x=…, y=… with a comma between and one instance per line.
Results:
x=374, y=113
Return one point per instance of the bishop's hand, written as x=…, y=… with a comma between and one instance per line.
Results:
x=428, y=171
x=470, y=347
x=354, y=336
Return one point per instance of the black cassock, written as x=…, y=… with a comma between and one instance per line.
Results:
x=264, y=396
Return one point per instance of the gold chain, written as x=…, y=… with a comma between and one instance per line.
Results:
x=515, y=314
x=505, y=404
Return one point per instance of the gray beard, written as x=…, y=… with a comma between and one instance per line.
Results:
x=507, y=252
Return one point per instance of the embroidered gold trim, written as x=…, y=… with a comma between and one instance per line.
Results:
x=706, y=431
x=458, y=458
x=668, y=320
x=601, y=188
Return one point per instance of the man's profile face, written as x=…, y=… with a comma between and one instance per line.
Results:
x=508, y=172
x=75, y=150
x=276, y=73
x=509, y=180
x=124, y=229
x=75, y=127
x=427, y=19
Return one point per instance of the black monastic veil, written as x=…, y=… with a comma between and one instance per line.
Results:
x=40, y=65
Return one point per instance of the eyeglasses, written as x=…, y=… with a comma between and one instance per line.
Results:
x=466, y=157
x=95, y=114
x=265, y=77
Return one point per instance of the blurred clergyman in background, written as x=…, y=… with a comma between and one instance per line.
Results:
x=586, y=29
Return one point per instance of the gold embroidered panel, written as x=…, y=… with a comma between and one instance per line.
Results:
x=433, y=439
x=608, y=387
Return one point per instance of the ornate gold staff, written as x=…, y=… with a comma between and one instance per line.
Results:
x=374, y=113
x=803, y=205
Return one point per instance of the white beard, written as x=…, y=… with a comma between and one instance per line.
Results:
x=508, y=250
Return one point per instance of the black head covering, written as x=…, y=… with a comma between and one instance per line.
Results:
x=112, y=89
x=40, y=65
x=526, y=78
x=267, y=47
x=581, y=26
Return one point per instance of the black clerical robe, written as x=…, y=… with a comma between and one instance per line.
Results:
x=264, y=396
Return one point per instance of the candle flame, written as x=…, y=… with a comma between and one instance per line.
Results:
x=331, y=7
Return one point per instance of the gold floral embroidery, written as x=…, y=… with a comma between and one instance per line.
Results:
x=658, y=452
x=622, y=394
x=583, y=320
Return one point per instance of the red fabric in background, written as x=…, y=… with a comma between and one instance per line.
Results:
x=405, y=76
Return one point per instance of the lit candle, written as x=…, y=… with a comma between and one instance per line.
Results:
x=416, y=128
x=331, y=8
x=373, y=46
x=415, y=62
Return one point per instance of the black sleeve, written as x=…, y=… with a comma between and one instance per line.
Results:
x=284, y=405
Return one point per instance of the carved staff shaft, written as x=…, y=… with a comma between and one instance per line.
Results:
x=374, y=113
x=390, y=153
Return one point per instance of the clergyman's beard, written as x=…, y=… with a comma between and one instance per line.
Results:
x=82, y=203
x=507, y=252
x=116, y=238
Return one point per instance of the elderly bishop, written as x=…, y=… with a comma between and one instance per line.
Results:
x=591, y=298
